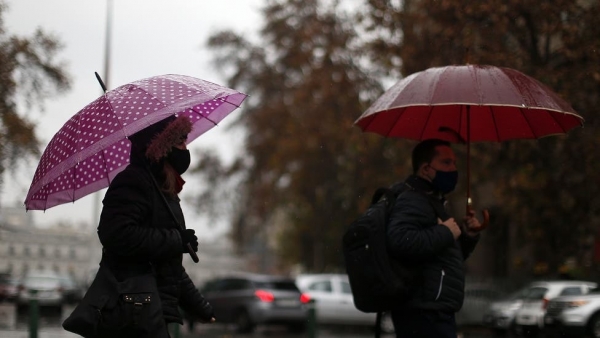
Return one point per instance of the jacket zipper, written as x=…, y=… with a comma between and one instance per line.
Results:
x=441, y=283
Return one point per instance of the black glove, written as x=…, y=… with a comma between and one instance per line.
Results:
x=188, y=237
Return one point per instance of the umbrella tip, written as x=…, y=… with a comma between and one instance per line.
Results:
x=100, y=81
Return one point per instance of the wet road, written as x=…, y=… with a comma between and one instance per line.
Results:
x=50, y=327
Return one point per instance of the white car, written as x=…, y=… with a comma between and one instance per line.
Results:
x=574, y=316
x=333, y=301
x=529, y=319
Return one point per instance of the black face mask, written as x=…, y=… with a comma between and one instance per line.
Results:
x=179, y=159
x=445, y=181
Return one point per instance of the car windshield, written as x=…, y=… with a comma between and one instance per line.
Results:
x=277, y=285
x=41, y=281
x=519, y=294
x=67, y=282
x=536, y=293
x=5, y=279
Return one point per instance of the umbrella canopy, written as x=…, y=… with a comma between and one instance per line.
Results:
x=93, y=146
x=469, y=103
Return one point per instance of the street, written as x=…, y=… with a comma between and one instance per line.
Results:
x=50, y=327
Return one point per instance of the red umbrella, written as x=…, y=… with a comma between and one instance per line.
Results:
x=467, y=104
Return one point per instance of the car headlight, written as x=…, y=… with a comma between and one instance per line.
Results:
x=576, y=303
x=514, y=307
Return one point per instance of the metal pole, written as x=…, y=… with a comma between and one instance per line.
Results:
x=312, y=319
x=109, y=10
x=106, y=79
x=469, y=201
x=33, y=314
x=175, y=330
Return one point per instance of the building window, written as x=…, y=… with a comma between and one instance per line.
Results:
x=57, y=252
x=27, y=251
x=72, y=253
x=42, y=251
x=40, y=267
x=11, y=250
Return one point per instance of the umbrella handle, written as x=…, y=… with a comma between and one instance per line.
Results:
x=484, y=213
x=486, y=219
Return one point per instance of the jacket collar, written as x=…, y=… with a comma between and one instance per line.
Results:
x=423, y=185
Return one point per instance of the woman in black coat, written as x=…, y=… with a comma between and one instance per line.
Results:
x=138, y=231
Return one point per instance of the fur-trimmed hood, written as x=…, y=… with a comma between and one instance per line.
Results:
x=156, y=141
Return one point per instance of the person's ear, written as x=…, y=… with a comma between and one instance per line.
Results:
x=424, y=168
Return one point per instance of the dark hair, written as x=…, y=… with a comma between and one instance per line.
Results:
x=425, y=151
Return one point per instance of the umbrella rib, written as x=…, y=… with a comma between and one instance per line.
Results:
x=387, y=134
x=491, y=108
x=103, y=154
x=206, y=117
x=557, y=122
x=426, y=122
x=528, y=123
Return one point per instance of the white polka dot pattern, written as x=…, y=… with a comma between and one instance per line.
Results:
x=92, y=147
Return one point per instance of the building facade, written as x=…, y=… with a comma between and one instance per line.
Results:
x=61, y=248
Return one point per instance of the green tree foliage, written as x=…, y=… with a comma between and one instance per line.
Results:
x=544, y=188
x=305, y=171
x=29, y=72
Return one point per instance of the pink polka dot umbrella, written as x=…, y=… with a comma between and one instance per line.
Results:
x=92, y=147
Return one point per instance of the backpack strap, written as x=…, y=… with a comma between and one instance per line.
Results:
x=438, y=209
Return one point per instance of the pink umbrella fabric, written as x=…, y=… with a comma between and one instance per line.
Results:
x=92, y=147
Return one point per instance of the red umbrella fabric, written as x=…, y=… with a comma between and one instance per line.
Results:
x=92, y=147
x=469, y=103
x=474, y=102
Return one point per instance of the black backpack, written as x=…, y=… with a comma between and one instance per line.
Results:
x=378, y=282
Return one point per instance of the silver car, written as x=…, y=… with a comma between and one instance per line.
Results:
x=478, y=298
x=334, y=303
x=500, y=315
x=45, y=287
x=248, y=300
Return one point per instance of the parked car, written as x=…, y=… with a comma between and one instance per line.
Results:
x=46, y=286
x=478, y=298
x=249, y=300
x=72, y=292
x=575, y=316
x=529, y=319
x=8, y=287
x=500, y=315
x=334, y=304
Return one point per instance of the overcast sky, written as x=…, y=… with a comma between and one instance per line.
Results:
x=149, y=37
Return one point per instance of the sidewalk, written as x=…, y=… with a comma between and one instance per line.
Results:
x=42, y=333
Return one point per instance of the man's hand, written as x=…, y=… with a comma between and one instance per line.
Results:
x=452, y=225
x=210, y=321
x=472, y=225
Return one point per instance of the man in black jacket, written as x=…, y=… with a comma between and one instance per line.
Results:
x=423, y=235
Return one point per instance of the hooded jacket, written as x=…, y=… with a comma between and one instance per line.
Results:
x=138, y=233
x=416, y=239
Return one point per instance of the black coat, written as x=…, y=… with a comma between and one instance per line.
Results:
x=138, y=232
x=416, y=238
